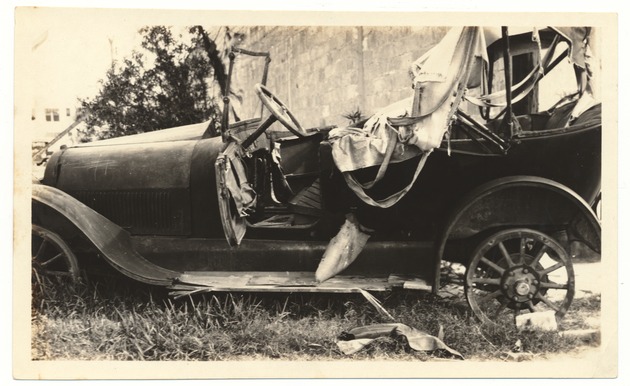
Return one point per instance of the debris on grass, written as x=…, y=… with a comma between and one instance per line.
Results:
x=376, y=303
x=117, y=319
x=517, y=357
x=587, y=336
x=541, y=321
x=518, y=346
x=357, y=338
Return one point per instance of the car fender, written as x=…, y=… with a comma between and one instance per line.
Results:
x=519, y=201
x=113, y=242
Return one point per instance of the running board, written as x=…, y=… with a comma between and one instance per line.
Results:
x=290, y=281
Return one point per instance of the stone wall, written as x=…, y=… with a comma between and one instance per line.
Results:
x=322, y=73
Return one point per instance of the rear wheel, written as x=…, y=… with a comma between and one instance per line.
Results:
x=519, y=270
x=51, y=257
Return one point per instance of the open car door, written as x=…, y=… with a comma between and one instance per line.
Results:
x=235, y=194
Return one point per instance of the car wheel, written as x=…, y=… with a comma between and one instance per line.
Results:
x=519, y=270
x=52, y=258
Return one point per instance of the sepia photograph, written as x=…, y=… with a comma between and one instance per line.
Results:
x=249, y=194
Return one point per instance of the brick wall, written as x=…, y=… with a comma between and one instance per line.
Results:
x=322, y=73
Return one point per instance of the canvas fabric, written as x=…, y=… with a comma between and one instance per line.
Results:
x=414, y=126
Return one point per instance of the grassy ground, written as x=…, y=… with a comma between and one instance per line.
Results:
x=120, y=320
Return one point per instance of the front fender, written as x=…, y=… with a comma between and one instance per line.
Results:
x=113, y=242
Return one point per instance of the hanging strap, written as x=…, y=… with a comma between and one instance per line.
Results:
x=389, y=201
x=520, y=91
x=391, y=146
x=359, y=188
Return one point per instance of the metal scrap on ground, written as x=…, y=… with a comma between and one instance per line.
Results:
x=357, y=338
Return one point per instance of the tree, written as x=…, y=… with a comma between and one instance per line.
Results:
x=166, y=86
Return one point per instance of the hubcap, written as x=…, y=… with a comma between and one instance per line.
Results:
x=521, y=288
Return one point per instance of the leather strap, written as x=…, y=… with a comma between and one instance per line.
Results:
x=391, y=146
x=359, y=189
x=519, y=91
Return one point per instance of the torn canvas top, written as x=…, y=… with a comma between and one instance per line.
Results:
x=413, y=126
x=436, y=76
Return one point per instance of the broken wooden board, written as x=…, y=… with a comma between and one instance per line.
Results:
x=290, y=281
x=410, y=282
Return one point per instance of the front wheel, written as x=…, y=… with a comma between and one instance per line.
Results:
x=52, y=257
x=519, y=270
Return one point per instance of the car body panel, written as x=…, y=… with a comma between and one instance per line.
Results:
x=150, y=203
x=109, y=239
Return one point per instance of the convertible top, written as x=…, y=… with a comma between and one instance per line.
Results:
x=577, y=37
x=179, y=133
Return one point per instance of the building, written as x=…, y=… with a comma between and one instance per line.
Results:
x=325, y=73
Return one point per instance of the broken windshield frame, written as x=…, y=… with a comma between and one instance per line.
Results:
x=225, y=118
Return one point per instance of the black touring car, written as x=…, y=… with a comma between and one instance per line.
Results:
x=510, y=193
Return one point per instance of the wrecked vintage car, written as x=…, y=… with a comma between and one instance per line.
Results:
x=481, y=178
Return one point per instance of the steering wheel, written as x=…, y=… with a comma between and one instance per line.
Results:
x=279, y=110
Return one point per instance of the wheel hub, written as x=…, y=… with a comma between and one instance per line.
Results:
x=520, y=283
x=522, y=288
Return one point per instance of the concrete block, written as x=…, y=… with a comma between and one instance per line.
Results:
x=537, y=321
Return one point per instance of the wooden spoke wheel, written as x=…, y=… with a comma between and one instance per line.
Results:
x=519, y=270
x=51, y=257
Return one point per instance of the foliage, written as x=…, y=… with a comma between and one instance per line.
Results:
x=166, y=85
x=354, y=116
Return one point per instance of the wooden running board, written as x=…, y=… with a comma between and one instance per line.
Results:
x=294, y=281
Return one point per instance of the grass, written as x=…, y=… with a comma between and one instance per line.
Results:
x=116, y=319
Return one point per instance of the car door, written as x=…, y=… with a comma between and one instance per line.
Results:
x=236, y=196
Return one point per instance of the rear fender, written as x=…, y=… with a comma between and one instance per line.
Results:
x=520, y=201
x=113, y=242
